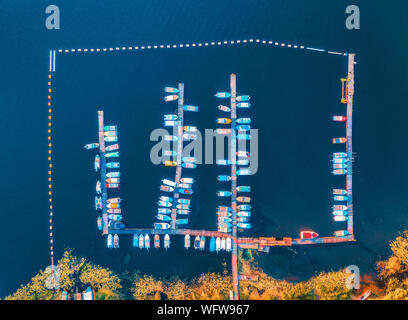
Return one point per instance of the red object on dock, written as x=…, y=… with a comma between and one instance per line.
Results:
x=308, y=235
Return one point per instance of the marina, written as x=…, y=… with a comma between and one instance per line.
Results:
x=232, y=217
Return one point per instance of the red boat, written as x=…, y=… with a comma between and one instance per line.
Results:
x=308, y=235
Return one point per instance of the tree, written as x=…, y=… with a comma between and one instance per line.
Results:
x=146, y=287
x=399, y=248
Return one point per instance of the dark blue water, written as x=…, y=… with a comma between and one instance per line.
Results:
x=294, y=96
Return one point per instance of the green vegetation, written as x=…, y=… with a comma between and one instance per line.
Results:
x=390, y=283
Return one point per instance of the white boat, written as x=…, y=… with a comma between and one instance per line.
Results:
x=218, y=244
x=166, y=241
x=98, y=187
x=90, y=146
x=147, y=241
x=187, y=241
x=187, y=180
x=229, y=244
x=168, y=182
x=223, y=244
x=97, y=162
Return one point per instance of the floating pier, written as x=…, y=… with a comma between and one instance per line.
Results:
x=349, y=146
x=179, y=142
x=104, y=193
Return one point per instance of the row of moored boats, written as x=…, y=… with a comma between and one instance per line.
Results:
x=242, y=128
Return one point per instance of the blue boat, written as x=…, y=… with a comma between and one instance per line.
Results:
x=224, y=193
x=116, y=225
x=112, y=165
x=110, y=241
x=223, y=162
x=244, y=137
x=223, y=178
x=135, y=241
x=99, y=222
x=184, y=201
x=243, y=105
x=244, y=127
x=190, y=108
x=244, y=120
x=212, y=244
x=189, y=165
x=185, y=191
x=163, y=217
x=244, y=189
x=244, y=225
x=181, y=221
x=197, y=242
x=141, y=241
x=223, y=95
x=161, y=226
x=243, y=98
x=244, y=172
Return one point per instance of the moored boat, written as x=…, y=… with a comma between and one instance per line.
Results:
x=217, y=244
x=112, y=165
x=244, y=199
x=339, y=140
x=339, y=118
x=190, y=108
x=90, y=146
x=116, y=241
x=308, y=235
x=228, y=244
x=244, y=189
x=98, y=203
x=112, y=185
x=172, y=97
x=185, y=191
x=164, y=210
x=135, y=240
x=202, y=243
x=341, y=233
x=197, y=242
x=98, y=187
x=187, y=241
x=161, y=226
x=163, y=217
x=166, y=188
x=223, y=131
x=114, y=174
x=112, y=154
x=114, y=200
x=224, y=193
x=171, y=90
x=166, y=241
x=212, y=244
x=223, y=120
x=187, y=180
x=224, y=178
x=223, y=95
x=244, y=120
x=114, y=211
x=112, y=147
x=224, y=108
x=97, y=162
x=189, y=165
x=110, y=241
x=340, y=218
x=156, y=241
x=141, y=241
x=340, y=198
x=223, y=162
x=99, y=223
x=147, y=241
